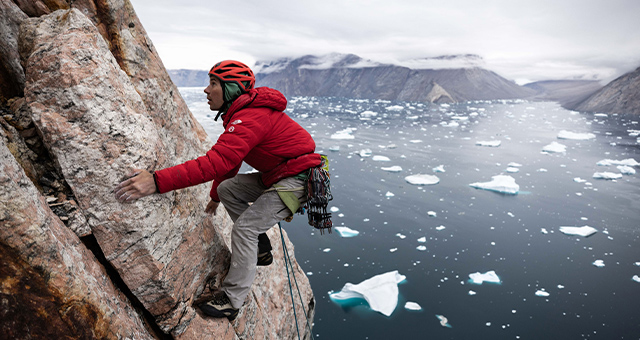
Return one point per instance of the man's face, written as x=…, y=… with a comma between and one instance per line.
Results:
x=214, y=94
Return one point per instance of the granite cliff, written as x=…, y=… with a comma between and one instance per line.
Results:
x=621, y=95
x=85, y=98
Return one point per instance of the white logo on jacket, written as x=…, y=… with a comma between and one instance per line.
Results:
x=236, y=122
x=232, y=128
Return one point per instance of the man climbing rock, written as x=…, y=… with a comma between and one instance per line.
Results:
x=258, y=132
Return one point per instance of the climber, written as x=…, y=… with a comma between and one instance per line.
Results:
x=258, y=132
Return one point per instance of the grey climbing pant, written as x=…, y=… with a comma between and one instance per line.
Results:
x=249, y=221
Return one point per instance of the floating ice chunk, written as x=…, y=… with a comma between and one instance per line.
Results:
x=512, y=169
x=544, y=231
x=607, y=175
x=478, y=278
x=443, y=321
x=344, y=134
x=380, y=291
x=637, y=264
x=381, y=158
x=575, y=136
x=472, y=293
x=395, y=168
x=601, y=115
x=579, y=180
x=583, y=231
x=439, y=168
x=401, y=236
x=412, y=306
x=627, y=162
x=432, y=213
x=542, y=293
x=389, y=194
x=421, y=248
x=346, y=231
x=368, y=114
x=365, y=153
x=598, y=263
x=422, y=239
x=440, y=227
x=636, y=278
x=500, y=183
x=326, y=250
x=492, y=143
x=626, y=170
x=542, y=170
x=450, y=124
x=554, y=147
x=422, y=179
x=391, y=146
x=394, y=108
x=514, y=164
x=415, y=141
x=334, y=209
x=334, y=148
x=393, y=250
x=560, y=287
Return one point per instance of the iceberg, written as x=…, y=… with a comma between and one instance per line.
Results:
x=627, y=162
x=439, y=168
x=607, y=175
x=432, y=213
x=421, y=248
x=394, y=168
x=381, y=158
x=440, y=227
x=443, y=321
x=636, y=278
x=512, y=169
x=626, y=170
x=575, y=136
x=412, y=306
x=514, y=164
x=598, y=263
x=542, y=293
x=554, y=147
x=380, y=292
x=584, y=231
x=365, y=153
x=334, y=148
x=394, y=108
x=478, y=278
x=422, y=179
x=344, y=134
x=346, y=231
x=422, y=239
x=493, y=143
x=500, y=183
x=389, y=194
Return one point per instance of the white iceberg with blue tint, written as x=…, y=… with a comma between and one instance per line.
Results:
x=412, y=306
x=607, y=175
x=394, y=168
x=626, y=170
x=380, y=292
x=443, y=321
x=500, y=183
x=636, y=278
x=584, y=231
x=422, y=179
x=627, y=162
x=491, y=143
x=554, y=147
x=346, y=231
x=542, y=293
x=344, y=134
x=334, y=148
x=478, y=278
x=365, y=153
x=379, y=158
x=575, y=135
x=439, y=168
x=598, y=263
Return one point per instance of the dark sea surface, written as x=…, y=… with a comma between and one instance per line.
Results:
x=483, y=230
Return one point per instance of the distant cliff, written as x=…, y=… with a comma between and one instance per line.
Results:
x=350, y=76
x=566, y=92
x=189, y=78
x=622, y=95
x=84, y=98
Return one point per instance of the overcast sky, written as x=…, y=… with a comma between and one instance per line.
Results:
x=520, y=40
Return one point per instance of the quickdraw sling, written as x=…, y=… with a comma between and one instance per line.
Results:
x=318, y=196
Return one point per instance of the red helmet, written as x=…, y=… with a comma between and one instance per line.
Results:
x=234, y=72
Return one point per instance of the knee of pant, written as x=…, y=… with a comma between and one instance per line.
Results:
x=224, y=189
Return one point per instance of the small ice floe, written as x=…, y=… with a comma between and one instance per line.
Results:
x=584, y=231
x=368, y=114
x=393, y=250
x=542, y=293
x=626, y=170
x=472, y=293
x=598, y=263
x=365, y=153
x=450, y=124
x=380, y=292
x=344, y=134
x=391, y=146
x=421, y=248
x=512, y=169
x=478, y=278
x=415, y=141
x=560, y=287
x=389, y=194
x=401, y=236
x=627, y=162
x=514, y=165
x=346, y=231
x=554, y=147
x=579, y=180
x=334, y=148
x=491, y=143
x=422, y=179
x=439, y=168
x=575, y=135
x=432, y=213
x=443, y=321
x=637, y=264
x=440, y=227
x=394, y=108
x=395, y=168
x=412, y=306
x=378, y=158
x=334, y=209
x=636, y=278
x=326, y=250
x=422, y=239
x=500, y=183
x=542, y=170
x=544, y=231
x=607, y=175
x=601, y=115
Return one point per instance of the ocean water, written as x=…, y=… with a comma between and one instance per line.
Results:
x=473, y=230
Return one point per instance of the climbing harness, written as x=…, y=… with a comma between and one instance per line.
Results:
x=318, y=196
x=287, y=264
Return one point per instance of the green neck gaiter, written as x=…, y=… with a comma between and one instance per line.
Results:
x=231, y=92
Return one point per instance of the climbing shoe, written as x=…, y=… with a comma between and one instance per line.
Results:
x=219, y=307
x=265, y=259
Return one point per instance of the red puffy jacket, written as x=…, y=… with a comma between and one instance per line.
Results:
x=257, y=132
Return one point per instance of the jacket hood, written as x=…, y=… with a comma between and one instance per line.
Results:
x=257, y=97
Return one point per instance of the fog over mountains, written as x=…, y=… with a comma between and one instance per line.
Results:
x=443, y=79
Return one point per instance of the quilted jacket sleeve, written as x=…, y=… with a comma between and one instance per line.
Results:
x=225, y=156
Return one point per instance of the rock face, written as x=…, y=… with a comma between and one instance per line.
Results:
x=622, y=95
x=97, y=103
x=350, y=76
